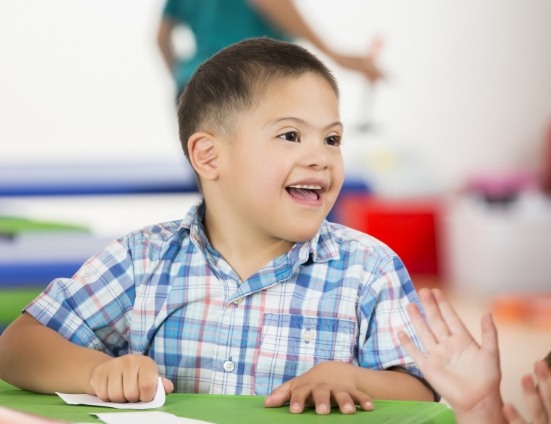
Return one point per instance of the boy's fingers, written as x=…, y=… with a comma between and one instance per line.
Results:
x=299, y=395
x=131, y=392
x=279, y=396
x=362, y=399
x=321, y=397
x=115, y=392
x=344, y=401
x=147, y=384
x=167, y=385
x=99, y=385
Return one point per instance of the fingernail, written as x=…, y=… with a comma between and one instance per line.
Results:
x=349, y=408
x=295, y=408
x=322, y=409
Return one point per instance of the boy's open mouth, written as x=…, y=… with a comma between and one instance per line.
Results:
x=305, y=192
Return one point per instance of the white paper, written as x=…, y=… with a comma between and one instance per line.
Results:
x=145, y=417
x=84, y=399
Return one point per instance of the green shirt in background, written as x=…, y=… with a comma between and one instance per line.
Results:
x=215, y=25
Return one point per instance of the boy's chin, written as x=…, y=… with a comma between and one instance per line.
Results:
x=303, y=235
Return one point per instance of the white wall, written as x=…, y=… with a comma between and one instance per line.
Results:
x=81, y=80
x=469, y=84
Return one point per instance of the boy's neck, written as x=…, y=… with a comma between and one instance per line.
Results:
x=245, y=253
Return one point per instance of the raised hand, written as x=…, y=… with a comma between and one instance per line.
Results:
x=465, y=373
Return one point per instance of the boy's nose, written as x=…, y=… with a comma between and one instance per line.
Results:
x=315, y=154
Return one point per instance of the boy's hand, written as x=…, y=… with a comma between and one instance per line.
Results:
x=327, y=384
x=128, y=378
x=453, y=360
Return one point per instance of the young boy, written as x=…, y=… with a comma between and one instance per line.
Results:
x=253, y=292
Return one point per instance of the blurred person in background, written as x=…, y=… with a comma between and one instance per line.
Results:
x=216, y=24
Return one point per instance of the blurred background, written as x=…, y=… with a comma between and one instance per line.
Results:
x=448, y=159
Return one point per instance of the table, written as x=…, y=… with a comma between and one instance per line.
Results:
x=232, y=409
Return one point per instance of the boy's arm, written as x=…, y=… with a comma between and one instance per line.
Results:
x=346, y=385
x=36, y=358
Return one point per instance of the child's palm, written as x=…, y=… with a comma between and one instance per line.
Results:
x=462, y=371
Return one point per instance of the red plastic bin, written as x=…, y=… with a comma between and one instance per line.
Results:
x=407, y=226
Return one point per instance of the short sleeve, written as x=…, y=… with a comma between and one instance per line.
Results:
x=92, y=309
x=383, y=314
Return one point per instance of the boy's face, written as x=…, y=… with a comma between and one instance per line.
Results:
x=282, y=168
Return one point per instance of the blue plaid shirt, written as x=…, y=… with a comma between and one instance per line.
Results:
x=165, y=292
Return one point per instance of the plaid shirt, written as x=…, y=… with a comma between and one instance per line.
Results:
x=165, y=292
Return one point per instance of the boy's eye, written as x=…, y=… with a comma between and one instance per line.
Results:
x=333, y=140
x=290, y=136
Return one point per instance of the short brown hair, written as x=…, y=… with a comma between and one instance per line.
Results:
x=547, y=359
x=229, y=82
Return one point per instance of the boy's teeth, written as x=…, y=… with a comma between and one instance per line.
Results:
x=309, y=187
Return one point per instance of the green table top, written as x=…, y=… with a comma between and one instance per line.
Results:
x=231, y=409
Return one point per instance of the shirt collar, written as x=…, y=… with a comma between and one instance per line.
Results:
x=322, y=247
x=193, y=223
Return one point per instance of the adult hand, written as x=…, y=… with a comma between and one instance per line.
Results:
x=366, y=65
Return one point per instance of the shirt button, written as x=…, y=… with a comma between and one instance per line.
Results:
x=308, y=336
x=238, y=301
x=229, y=366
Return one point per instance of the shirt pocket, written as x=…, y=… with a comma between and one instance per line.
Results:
x=292, y=344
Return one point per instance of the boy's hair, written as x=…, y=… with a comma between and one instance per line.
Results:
x=547, y=359
x=231, y=81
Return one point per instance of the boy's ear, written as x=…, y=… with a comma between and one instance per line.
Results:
x=203, y=155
